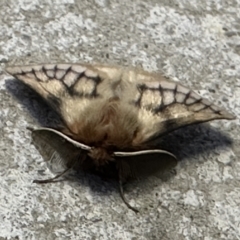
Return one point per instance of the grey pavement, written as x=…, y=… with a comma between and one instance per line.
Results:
x=194, y=42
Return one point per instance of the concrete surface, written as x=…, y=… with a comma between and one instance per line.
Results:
x=194, y=42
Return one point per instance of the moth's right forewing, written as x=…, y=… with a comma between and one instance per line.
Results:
x=164, y=106
x=60, y=151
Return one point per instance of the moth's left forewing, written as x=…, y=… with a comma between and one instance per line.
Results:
x=164, y=106
x=68, y=88
x=57, y=83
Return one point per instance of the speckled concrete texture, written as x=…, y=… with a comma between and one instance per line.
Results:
x=194, y=42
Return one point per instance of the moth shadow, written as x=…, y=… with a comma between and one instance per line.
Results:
x=36, y=106
x=99, y=185
x=195, y=142
x=106, y=185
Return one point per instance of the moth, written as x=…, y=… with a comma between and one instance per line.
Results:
x=111, y=117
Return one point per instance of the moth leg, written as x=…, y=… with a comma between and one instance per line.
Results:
x=121, y=180
x=124, y=199
x=49, y=180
